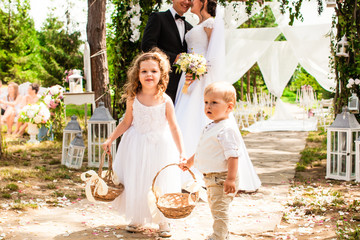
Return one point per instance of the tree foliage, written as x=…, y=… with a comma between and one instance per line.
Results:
x=27, y=55
x=18, y=43
x=59, y=51
x=348, y=24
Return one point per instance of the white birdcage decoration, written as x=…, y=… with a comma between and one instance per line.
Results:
x=341, y=136
x=100, y=126
x=342, y=47
x=76, y=82
x=330, y=3
x=76, y=152
x=353, y=103
x=71, y=129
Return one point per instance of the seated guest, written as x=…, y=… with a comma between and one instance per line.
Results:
x=30, y=98
x=11, y=104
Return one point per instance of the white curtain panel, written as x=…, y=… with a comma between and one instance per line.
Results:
x=311, y=46
x=244, y=47
x=277, y=65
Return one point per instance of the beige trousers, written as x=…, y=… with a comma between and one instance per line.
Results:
x=219, y=204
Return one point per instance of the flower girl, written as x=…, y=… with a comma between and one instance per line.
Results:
x=150, y=137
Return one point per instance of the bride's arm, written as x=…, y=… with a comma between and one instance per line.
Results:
x=208, y=32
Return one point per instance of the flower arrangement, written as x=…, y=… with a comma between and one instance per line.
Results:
x=351, y=82
x=36, y=113
x=192, y=63
x=134, y=15
x=53, y=98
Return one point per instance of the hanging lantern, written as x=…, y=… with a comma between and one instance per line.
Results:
x=353, y=103
x=341, y=137
x=342, y=47
x=76, y=82
x=76, y=152
x=330, y=3
x=100, y=126
x=71, y=129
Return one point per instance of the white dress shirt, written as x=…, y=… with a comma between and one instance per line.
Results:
x=218, y=143
x=180, y=24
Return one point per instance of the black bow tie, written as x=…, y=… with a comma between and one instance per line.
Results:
x=177, y=16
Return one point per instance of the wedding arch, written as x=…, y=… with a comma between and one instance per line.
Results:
x=307, y=43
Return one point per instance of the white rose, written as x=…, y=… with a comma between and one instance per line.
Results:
x=357, y=81
x=351, y=81
x=38, y=119
x=54, y=90
x=47, y=99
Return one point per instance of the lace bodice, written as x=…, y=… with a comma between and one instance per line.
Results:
x=148, y=119
x=196, y=38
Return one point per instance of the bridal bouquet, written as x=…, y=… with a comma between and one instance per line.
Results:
x=36, y=113
x=192, y=63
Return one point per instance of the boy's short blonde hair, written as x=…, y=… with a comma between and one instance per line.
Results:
x=227, y=90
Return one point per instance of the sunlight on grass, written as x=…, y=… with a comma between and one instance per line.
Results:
x=15, y=174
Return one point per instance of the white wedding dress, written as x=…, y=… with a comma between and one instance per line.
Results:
x=145, y=148
x=189, y=107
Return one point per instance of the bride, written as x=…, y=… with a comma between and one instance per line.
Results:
x=207, y=39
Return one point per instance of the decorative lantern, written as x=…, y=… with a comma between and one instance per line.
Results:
x=100, y=126
x=71, y=129
x=353, y=104
x=357, y=161
x=341, y=147
x=76, y=82
x=76, y=152
x=330, y=3
x=341, y=51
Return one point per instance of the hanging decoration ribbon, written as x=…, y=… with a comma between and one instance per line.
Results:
x=94, y=180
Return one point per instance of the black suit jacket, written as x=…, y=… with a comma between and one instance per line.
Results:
x=161, y=31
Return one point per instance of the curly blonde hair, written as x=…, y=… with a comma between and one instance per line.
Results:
x=133, y=85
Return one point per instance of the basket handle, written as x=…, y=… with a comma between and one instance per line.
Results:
x=172, y=164
x=109, y=173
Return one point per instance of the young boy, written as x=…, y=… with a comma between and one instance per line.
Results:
x=217, y=155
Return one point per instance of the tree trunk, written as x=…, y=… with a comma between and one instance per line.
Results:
x=254, y=84
x=96, y=35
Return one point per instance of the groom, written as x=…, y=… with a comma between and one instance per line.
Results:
x=166, y=30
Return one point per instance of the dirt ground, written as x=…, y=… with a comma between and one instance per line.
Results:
x=32, y=177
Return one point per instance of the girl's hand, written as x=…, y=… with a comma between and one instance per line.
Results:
x=229, y=186
x=107, y=146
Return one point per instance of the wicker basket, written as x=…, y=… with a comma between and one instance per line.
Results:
x=113, y=190
x=175, y=205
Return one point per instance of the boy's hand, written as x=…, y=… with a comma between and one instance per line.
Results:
x=184, y=165
x=229, y=186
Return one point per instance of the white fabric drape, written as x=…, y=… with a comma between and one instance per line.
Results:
x=244, y=47
x=277, y=65
x=311, y=46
